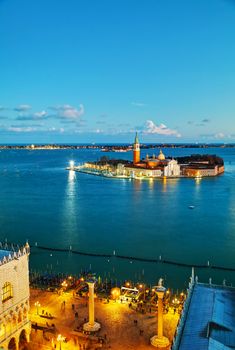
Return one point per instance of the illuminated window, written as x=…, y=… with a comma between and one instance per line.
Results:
x=7, y=292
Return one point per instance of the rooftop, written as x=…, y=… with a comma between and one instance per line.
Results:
x=9, y=252
x=4, y=253
x=210, y=322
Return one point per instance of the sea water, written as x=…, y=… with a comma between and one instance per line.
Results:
x=50, y=206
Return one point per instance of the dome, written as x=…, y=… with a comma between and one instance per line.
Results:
x=161, y=155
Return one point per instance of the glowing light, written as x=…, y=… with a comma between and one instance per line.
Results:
x=60, y=338
x=71, y=164
x=37, y=304
x=64, y=284
x=115, y=293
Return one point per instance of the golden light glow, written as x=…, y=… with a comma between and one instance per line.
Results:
x=37, y=304
x=64, y=284
x=115, y=292
x=60, y=338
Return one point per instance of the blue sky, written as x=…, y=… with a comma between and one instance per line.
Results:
x=97, y=71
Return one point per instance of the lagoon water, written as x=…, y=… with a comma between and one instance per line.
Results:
x=44, y=203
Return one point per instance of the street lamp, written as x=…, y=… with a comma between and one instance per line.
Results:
x=60, y=338
x=115, y=292
x=64, y=285
x=142, y=286
x=37, y=304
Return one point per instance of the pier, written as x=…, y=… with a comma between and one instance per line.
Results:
x=158, y=260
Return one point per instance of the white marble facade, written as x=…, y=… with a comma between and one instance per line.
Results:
x=14, y=303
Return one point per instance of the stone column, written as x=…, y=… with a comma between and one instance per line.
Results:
x=27, y=334
x=159, y=341
x=91, y=304
x=91, y=326
x=160, y=295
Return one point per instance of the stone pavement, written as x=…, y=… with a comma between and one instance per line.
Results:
x=119, y=328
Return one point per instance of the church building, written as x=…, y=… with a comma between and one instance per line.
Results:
x=154, y=166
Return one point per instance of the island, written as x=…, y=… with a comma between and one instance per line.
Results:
x=195, y=166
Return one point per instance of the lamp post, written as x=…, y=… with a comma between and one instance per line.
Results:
x=60, y=338
x=37, y=304
x=159, y=341
x=142, y=287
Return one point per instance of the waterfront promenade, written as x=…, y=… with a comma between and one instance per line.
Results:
x=122, y=327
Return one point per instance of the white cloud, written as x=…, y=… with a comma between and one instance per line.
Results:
x=69, y=112
x=220, y=135
x=162, y=129
x=27, y=129
x=138, y=104
x=35, y=116
x=39, y=115
x=22, y=129
x=22, y=108
x=54, y=129
x=217, y=136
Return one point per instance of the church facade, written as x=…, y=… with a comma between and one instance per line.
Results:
x=151, y=166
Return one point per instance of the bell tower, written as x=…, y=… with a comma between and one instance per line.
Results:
x=136, y=150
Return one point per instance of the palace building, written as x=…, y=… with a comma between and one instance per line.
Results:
x=14, y=305
x=208, y=320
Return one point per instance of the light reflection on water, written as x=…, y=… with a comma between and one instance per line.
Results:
x=44, y=202
x=70, y=215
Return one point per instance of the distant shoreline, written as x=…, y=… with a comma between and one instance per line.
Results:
x=112, y=147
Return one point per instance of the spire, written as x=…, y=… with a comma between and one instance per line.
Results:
x=136, y=138
x=27, y=247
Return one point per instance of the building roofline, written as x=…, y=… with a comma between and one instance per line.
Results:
x=13, y=252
